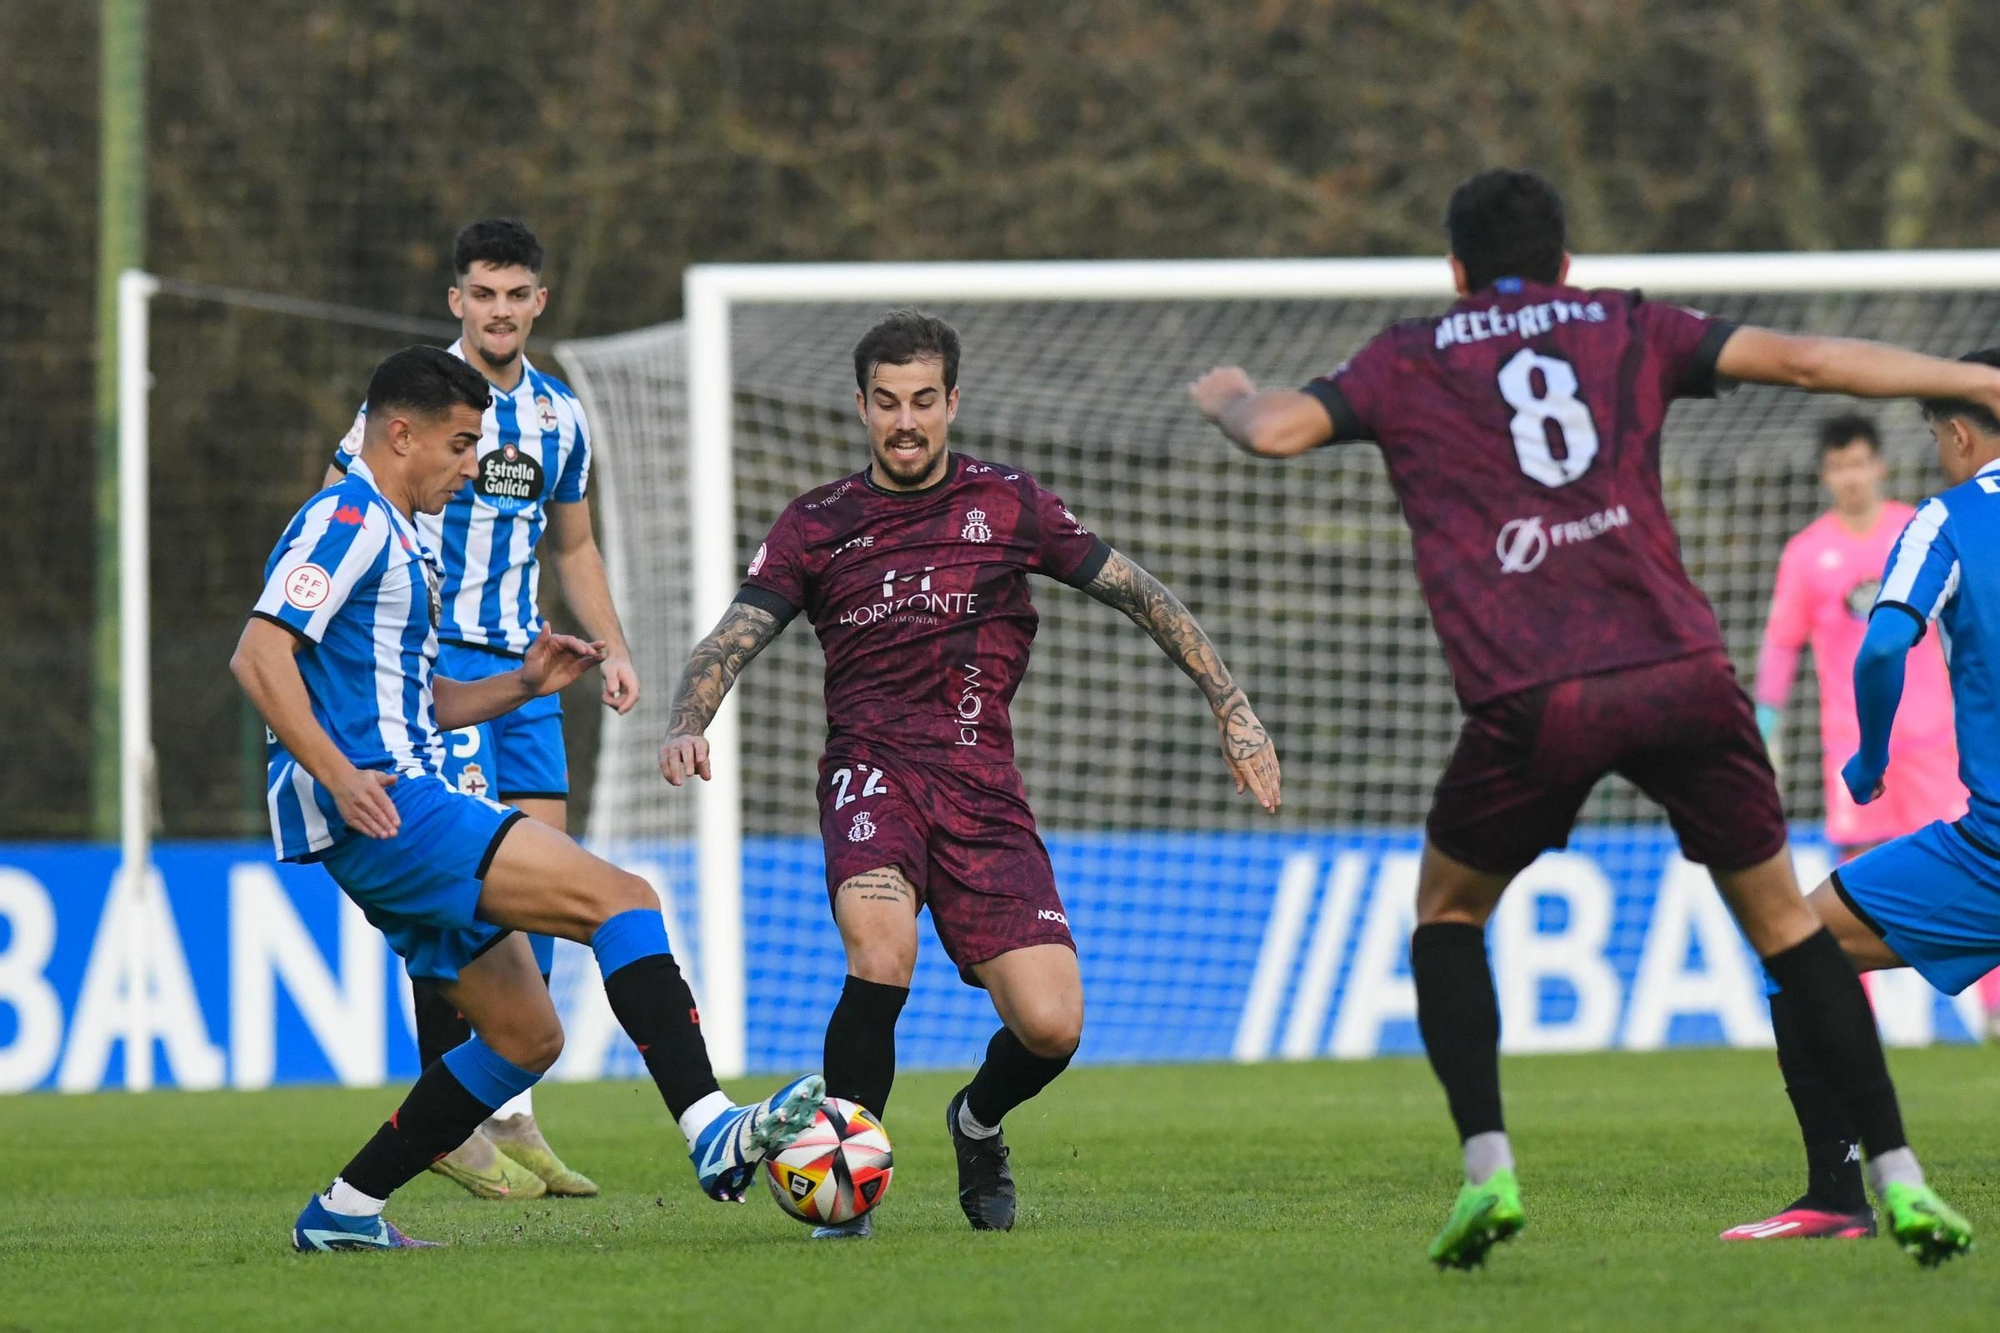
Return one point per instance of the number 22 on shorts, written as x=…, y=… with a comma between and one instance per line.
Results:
x=873, y=783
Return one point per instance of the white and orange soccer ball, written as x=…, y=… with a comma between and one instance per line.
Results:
x=835, y=1171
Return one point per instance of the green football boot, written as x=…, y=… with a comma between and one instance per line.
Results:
x=1484, y=1215
x=1929, y=1229
x=520, y=1139
x=487, y=1173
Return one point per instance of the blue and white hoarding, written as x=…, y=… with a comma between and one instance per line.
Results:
x=239, y=972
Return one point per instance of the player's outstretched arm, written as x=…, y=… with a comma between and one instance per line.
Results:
x=579, y=567
x=265, y=665
x=712, y=668
x=1853, y=366
x=553, y=661
x=1274, y=423
x=1878, y=689
x=1252, y=759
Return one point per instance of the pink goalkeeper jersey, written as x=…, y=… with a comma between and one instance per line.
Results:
x=1826, y=585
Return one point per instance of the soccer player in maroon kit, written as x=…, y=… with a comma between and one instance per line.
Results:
x=914, y=575
x=1521, y=430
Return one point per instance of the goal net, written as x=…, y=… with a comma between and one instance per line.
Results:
x=1206, y=929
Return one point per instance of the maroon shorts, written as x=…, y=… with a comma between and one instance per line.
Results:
x=1683, y=732
x=964, y=838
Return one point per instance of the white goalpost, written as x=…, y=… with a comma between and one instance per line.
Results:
x=1074, y=370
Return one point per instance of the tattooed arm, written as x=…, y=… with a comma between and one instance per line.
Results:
x=712, y=668
x=1252, y=759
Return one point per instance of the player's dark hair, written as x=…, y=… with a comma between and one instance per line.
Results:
x=1506, y=223
x=501, y=242
x=429, y=380
x=1983, y=420
x=902, y=337
x=1843, y=430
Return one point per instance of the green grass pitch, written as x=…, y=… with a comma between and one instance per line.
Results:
x=1203, y=1197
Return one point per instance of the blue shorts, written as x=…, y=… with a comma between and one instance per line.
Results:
x=421, y=887
x=1934, y=897
x=515, y=756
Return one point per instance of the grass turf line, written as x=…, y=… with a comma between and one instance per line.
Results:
x=1272, y=1196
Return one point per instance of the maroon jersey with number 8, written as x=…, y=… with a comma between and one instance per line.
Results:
x=1522, y=434
x=920, y=600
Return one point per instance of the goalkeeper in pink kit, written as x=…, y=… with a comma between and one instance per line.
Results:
x=1827, y=581
x=1826, y=585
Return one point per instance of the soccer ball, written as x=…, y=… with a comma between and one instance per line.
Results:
x=835, y=1171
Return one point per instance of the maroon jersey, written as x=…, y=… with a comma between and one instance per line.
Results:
x=920, y=599
x=1522, y=434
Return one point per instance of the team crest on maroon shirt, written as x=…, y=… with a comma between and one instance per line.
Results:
x=864, y=827
x=975, y=526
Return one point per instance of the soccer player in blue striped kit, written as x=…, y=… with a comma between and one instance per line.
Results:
x=534, y=459
x=339, y=657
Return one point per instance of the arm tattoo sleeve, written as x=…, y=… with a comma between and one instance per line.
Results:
x=715, y=663
x=1153, y=608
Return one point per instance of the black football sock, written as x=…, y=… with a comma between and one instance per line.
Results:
x=1011, y=1074
x=440, y=1026
x=860, y=1060
x=1459, y=1018
x=1833, y=1149
x=1836, y=1030
x=653, y=1003
x=449, y=1101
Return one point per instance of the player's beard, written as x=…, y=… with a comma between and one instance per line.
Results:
x=500, y=360
x=908, y=471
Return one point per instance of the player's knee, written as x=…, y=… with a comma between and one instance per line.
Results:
x=620, y=891
x=1053, y=1034
x=1442, y=911
x=635, y=892
x=533, y=1045
x=890, y=962
x=545, y=1048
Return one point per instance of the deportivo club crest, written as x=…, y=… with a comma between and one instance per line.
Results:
x=975, y=526
x=472, y=781
x=864, y=827
x=545, y=412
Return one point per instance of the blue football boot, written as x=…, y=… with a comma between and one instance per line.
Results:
x=726, y=1154
x=861, y=1228
x=318, y=1229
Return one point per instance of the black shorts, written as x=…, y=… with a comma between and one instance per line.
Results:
x=1683, y=732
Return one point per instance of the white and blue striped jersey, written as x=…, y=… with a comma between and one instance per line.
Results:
x=534, y=449
x=1945, y=570
x=353, y=579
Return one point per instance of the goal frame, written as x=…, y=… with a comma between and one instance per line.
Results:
x=712, y=291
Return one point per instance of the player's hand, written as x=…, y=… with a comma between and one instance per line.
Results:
x=364, y=804
x=1864, y=780
x=1252, y=759
x=621, y=684
x=554, y=660
x=1215, y=391
x=684, y=757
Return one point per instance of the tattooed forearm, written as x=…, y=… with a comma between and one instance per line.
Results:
x=1154, y=609
x=713, y=666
